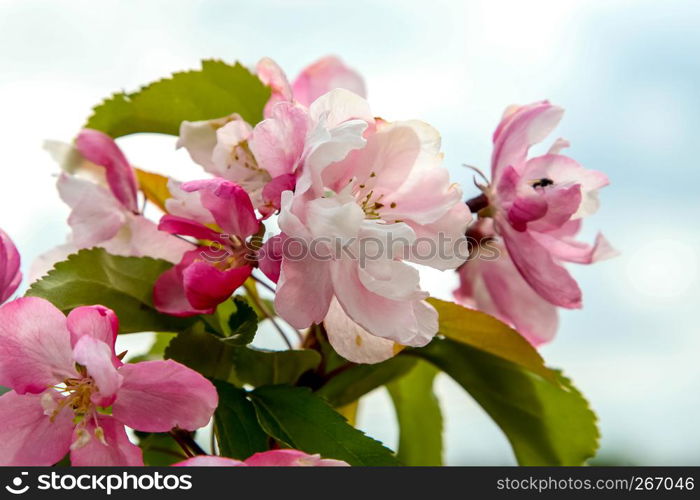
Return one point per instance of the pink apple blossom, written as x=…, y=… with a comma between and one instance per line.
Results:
x=272, y=458
x=204, y=277
x=99, y=185
x=264, y=159
x=364, y=181
x=71, y=392
x=536, y=207
x=10, y=276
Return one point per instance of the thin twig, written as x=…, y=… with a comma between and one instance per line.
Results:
x=263, y=283
x=263, y=309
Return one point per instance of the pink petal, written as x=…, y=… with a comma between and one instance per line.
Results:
x=145, y=240
x=353, y=342
x=206, y=286
x=570, y=250
x=516, y=302
x=28, y=436
x=270, y=257
x=303, y=282
x=94, y=321
x=10, y=276
x=291, y=458
x=35, y=348
x=278, y=142
x=118, y=452
x=169, y=290
x=96, y=216
x=272, y=75
x=157, y=396
x=101, y=149
x=272, y=192
x=518, y=131
x=98, y=358
x=187, y=227
x=229, y=204
x=323, y=76
x=209, y=461
x=562, y=203
x=408, y=322
x=535, y=263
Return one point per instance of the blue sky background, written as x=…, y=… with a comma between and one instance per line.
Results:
x=626, y=71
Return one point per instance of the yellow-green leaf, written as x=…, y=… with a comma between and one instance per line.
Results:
x=478, y=329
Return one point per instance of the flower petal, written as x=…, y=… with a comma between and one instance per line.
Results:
x=229, y=204
x=10, y=276
x=209, y=461
x=174, y=224
x=272, y=75
x=497, y=288
x=536, y=265
x=353, y=342
x=207, y=286
x=291, y=458
x=304, y=281
x=169, y=290
x=323, y=76
x=96, y=216
x=29, y=437
x=278, y=141
x=100, y=149
x=117, y=452
x=199, y=139
x=521, y=128
x=157, y=396
x=95, y=321
x=35, y=348
x=98, y=358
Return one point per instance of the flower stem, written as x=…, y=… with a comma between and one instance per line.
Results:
x=478, y=203
x=263, y=309
x=186, y=442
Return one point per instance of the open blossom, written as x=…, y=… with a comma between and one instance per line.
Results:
x=264, y=159
x=536, y=206
x=272, y=458
x=99, y=185
x=71, y=392
x=365, y=183
x=206, y=276
x=10, y=276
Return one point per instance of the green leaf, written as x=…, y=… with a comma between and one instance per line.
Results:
x=257, y=367
x=357, y=380
x=213, y=357
x=124, y=284
x=419, y=416
x=546, y=424
x=159, y=449
x=216, y=90
x=242, y=323
x=486, y=333
x=237, y=429
x=301, y=420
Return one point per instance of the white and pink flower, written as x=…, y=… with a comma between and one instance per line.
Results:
x=206, y=276
x=72, y=393
x=265, y=159
x=362, y=182
x=536, y=206
x=99, y=185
